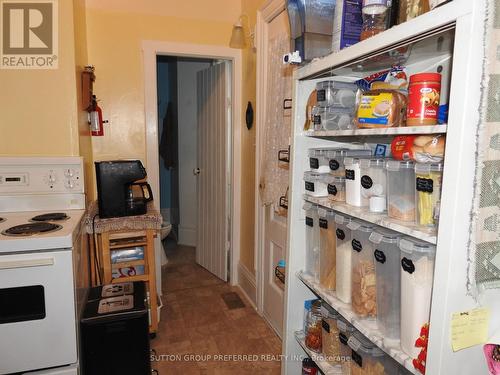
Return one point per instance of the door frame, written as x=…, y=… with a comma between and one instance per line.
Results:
x=153, y=48
x=265, y=15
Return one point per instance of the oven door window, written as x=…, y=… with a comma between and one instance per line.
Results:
x=22, y=304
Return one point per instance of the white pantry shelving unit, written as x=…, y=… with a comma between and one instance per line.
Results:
x=450, y=36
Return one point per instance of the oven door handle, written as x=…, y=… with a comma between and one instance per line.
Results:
x=5, y=265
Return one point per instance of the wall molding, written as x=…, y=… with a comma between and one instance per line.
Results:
x=187, y=236
x=247, y=282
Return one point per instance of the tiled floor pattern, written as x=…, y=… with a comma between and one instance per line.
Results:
x=198, y=334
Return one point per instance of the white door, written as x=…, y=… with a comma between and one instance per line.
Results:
x=213, y=183
x=275, y=225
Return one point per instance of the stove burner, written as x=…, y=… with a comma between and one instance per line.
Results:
x=53, y=216
x=31, y=229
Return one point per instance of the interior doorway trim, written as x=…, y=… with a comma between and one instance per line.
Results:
x=264, y=16
x=151, y=49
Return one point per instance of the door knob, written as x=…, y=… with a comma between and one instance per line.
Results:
x=196, y=171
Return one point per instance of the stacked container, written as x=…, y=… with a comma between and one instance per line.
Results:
x=374, y=183
x=346, y=330
x=401, y=190
x=312, y=240
x=353, y=182
x=428, y=185
x=336, y=188
x=336, y=159
x=367, y=358
x=330, y=334
x=417, y=276
x=327, y=244
x=363, y=292
x=315, y=184
x=343, y=258
x=335, y=105
x=387, y=267
x=318, y=160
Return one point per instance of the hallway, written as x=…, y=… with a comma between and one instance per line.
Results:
x=202, y=333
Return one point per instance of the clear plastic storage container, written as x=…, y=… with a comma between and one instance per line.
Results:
x=401, y=190
x=343, y=258
x=314, y=327
x=312, y=240
x=314, y=184
x=336, y=93
x=363, y=292
x=318, y=160
x=387, y=267
x=332, y=118
x=367, y=358
x=353, y=182
x=346, y=330
x=327, y=245
x=374, y=183
x=428, y=186
x=336, y=159
x=336, y=188
x=330, y=334
x=417, y=276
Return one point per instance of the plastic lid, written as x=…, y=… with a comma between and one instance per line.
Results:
x=410, y=245
x=423, y=77
x=396, y=165
x=282, y=263
x=344, y=326
x=334, y=179
x=361, y=226
x=375, y=162
x=313, y=176
x=342, y=219
x=319, y=151
x=427, y=168
x=360, y=343
x=324, y=212
x=339, y=110
x=335, y=84
x=308, y=206
x=343, y=152
x=348, y=161
x=386, y=236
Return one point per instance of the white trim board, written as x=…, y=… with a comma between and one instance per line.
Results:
x=151, y=49
x=247, y=284
x=187, y=236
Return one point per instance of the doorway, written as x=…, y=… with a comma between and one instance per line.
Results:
x=152, y=49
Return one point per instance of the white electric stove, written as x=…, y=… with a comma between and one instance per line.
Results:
x=42, y=202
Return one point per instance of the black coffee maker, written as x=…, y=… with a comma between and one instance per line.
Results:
x=118, y=192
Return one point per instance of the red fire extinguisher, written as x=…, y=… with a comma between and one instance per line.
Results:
x=95, y=119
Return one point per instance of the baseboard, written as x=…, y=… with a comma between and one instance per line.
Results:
x=248, y=284
x=187, y=236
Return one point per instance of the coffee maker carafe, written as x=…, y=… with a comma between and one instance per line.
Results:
x=118, y=192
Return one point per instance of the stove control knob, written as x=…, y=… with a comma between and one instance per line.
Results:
x=52, y=177
x=69, y=172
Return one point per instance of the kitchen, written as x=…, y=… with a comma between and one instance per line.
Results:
x=42, y=114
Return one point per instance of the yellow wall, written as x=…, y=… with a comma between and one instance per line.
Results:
x=38, y=107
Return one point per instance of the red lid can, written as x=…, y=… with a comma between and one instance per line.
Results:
x=425, y=77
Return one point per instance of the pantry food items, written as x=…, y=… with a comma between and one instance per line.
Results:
x=336, y=159
x=363, y=289
x=333, y=118
x=401, y=190
x=336, y=188
x=314, y=184
x=375, y=13
x=343, y=256
x=314, y=327
x=367, y=358
x=353, y=183
x=334, y=93
x=394, y=78
x=311, y=103
x=345, y=331
x=409, y=9
x=422, y=148
x=374, y=183
x=312, y=240
x=318, y=160
x=347, y=24
x=423, y=99
x=417, y=276
x=330, y=334
x=428, y=185
x=381, y=109
x=387, y=266
x=327, y=243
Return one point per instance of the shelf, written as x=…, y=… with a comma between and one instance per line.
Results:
x=366, y=326
x=413, y=230
x=325, y=367
x=127, y=264
x=406, y=130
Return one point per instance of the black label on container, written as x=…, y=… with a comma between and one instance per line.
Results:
x=325, y=325
x=340, y=234
x=349, y=174
x=356, y=245
x=317, y=120
x=334, y=165
x=343, y=338
x=407, y=265
x=314, y=163
x=379, y=256
x=309, y=186
x=309, y=221
x=425, y=185
x=366, y=182
x=357, y=358
x=332, y=189
x=323, y=223
x=320, y=95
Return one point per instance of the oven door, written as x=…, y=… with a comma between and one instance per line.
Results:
x=37, y=311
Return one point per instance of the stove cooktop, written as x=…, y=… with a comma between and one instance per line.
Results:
x=51, y=216
x=30, y=229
